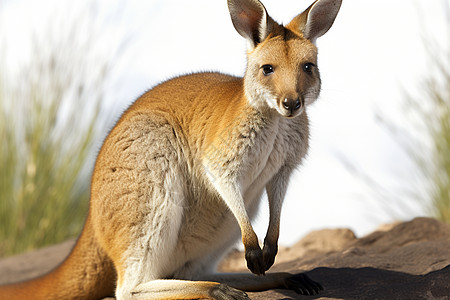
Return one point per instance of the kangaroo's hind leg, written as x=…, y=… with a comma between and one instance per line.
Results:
x=185, y=289
x=152, y=258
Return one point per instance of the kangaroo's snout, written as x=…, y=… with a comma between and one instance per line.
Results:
x=292, y=105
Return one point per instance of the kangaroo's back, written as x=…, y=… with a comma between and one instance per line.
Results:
x=193, y=96
x=200, y=104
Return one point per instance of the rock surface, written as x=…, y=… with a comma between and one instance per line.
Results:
x=408, y=260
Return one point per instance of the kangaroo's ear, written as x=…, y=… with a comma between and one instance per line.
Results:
x=250, y=19
x=316, y=19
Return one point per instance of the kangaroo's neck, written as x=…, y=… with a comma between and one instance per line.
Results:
x=239, y=119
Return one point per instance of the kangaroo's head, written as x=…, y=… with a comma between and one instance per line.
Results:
x=282, y=71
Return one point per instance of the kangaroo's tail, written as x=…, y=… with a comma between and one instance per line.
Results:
x=87, y=273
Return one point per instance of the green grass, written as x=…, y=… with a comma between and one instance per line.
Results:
x=49, y=129
x=43, y=196
x=51, y=126
x=437, y=122
x=429, y=110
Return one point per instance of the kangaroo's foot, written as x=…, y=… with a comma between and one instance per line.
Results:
x=302, y=284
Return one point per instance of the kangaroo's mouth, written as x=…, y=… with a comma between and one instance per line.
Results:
x=291, y=115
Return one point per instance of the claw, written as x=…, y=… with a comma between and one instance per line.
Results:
x=303, y=285
x=225, y=292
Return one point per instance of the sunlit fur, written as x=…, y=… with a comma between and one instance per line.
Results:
x=181, y=174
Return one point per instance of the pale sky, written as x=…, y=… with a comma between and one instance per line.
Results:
x=369, y=58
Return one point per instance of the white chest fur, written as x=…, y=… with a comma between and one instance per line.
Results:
x=263, y=159
x=281, y=144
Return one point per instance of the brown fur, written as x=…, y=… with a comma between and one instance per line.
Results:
x=186, y=161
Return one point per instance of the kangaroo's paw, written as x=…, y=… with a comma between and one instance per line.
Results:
x=302, y=284
x=269, y=253
x=225, y=292
x=255, y=261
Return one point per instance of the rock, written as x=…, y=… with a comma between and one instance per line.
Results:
x=409, y=260
x=25, y=266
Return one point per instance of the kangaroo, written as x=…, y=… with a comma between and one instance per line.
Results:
x=181, y=174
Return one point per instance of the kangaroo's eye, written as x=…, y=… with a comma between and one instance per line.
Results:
x=267, y=69
x=308, y=67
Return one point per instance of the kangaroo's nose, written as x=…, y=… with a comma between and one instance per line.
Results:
x=292, y=104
